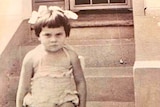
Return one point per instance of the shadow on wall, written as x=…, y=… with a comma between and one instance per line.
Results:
x=9, y=66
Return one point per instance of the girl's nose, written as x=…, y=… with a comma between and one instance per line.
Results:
x=53, y=39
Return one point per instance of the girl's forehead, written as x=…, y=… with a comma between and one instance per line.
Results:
x=56, y=29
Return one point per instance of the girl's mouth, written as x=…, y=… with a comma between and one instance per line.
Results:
x=54, y=45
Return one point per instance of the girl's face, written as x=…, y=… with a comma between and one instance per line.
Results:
x=52, y=38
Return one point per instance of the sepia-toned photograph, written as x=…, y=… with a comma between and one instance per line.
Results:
x=80, y=53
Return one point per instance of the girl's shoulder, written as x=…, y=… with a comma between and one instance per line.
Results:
x=72, y=53
x=75, y=58
x=32, y=54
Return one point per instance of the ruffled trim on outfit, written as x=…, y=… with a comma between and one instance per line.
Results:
x=27, y=100
x=55, y=73
x=67, y=96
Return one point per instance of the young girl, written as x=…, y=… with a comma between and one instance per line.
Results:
x=47, y=70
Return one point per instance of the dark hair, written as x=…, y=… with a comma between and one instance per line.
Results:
x=52, y=19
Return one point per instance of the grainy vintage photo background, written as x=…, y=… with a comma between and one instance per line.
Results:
x=120, y=49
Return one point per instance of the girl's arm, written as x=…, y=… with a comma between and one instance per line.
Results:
x=79, y=79
x=24, y=81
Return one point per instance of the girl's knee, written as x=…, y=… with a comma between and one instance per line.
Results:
x=68, y=104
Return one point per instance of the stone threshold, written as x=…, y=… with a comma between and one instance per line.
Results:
x=101, y=18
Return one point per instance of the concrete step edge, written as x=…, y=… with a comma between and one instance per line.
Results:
x=93, y=43
x=109, y=104
x=104, y=23
x=114, y=72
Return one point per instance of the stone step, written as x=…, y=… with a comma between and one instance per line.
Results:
x=109, y=104
x=110, y=32
x=108, y=71
x=80, y=36
x=90, y=104
x=111, y=84
x=106, y=55
x=103, y=23
x=110, y=89
x=92, y=18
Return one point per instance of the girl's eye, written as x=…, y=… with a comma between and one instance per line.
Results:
x=47, y=34
x=58, y=34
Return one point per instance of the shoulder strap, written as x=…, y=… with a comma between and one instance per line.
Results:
x=68, y=55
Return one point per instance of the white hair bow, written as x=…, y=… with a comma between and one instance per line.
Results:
x=44, y=10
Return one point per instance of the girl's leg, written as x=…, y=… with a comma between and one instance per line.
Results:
x=67, y=104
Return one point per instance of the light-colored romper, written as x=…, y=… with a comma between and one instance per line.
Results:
x=51, y=86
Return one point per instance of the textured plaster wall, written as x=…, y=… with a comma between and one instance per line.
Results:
x=146, y=30
x=12, y=13
x=147, y=64
x=152, y=3
x=17, y=8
